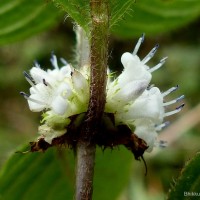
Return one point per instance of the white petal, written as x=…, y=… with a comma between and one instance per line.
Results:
x=33, y=90
x=38, y=74
x=54, y=61
x=126, y=58
x=59, y=105
x=81, y=87
x=64, y=90
x=53, y=73
x=152, y=106
x=118, y=99
x=85, y=71
x=66, y=70
x=41, y=88
x=60, y=74
x=79, y=81
x=42, y=93
x=148, y=106
x=131, y=91
x=35, y=107
x=134, y=69
x=146, y=131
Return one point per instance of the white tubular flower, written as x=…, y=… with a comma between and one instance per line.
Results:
x=46, y=96
x=49, y=89
x=132, y=82
x=149, y=105
x=61, y=92
x=134, y=103
x=80, y=86
x=145, y=129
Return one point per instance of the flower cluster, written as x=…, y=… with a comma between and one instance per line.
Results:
x=64, y=92
x=61, y=92
x=134, y=102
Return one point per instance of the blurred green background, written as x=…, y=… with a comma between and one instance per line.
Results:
x=18, y=125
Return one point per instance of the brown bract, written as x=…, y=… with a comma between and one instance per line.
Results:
x=108, y=136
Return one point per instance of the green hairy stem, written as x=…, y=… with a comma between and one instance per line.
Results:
x=86, y=147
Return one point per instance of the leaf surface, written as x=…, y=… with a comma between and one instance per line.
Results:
x=50, y=175
x=188, y=182
x=21, y=19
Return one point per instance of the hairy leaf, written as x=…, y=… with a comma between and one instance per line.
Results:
x=189, y=181
x=112, y=172
x=157, y=16
x=79, y=10
x=21, y=19
x=50, y=175
x=36, y=176
x=119, y=8
x=129, y=18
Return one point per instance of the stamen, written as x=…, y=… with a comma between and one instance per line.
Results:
x=180, y=98
x=46, y=83
x=150, y=54
x=54, y=61
x=36, y=64
x=63, y=61
x=27, y=75
x=158, y=65
x=170, y=91
x=29, y=79
x=162, y=126
x=137, y=46
x=26, y=96
x=174, y=101
x=178, y=109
